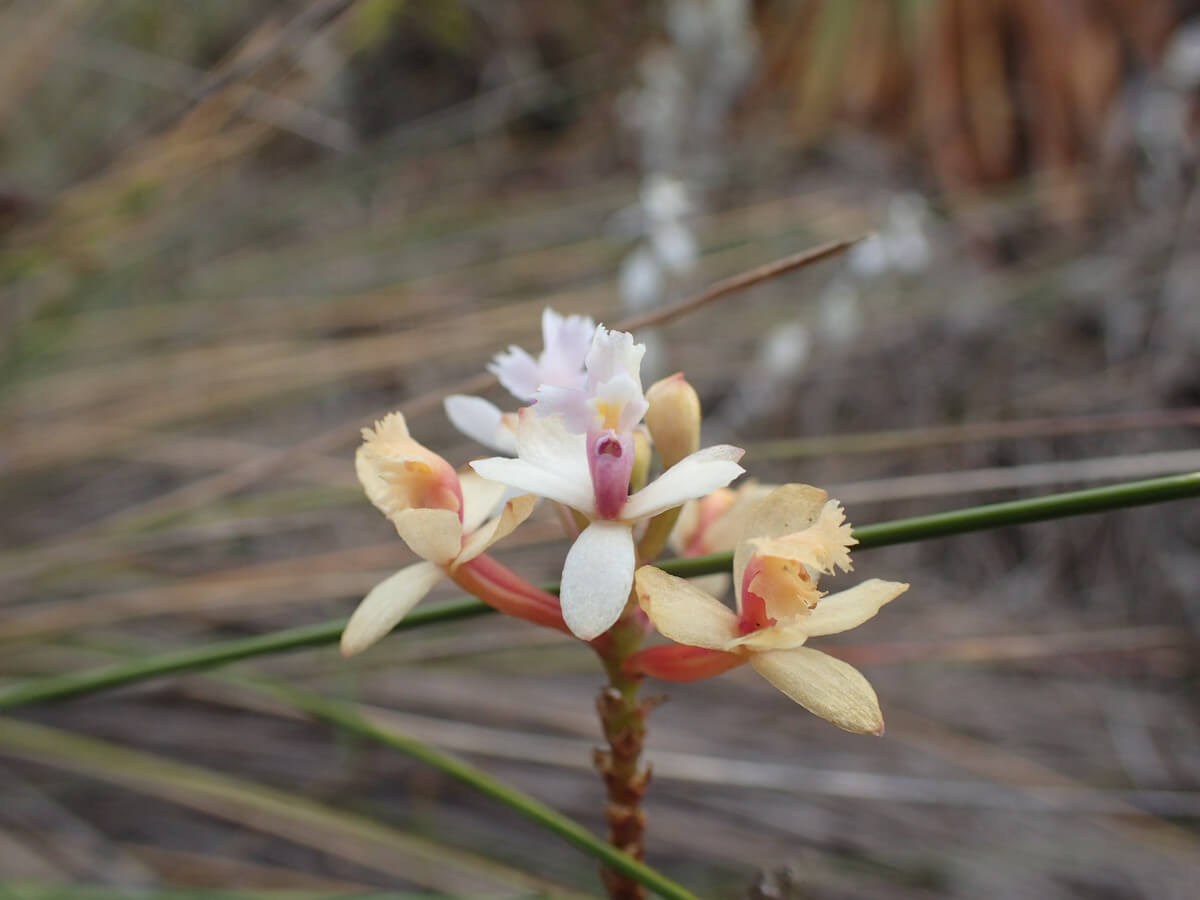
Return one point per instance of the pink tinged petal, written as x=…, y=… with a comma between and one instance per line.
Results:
x=432, y=534
x=566, y=341
x=693, y=476
x=850, y=608
x=610, y=460
x=387, y=604
x=683, y=612
x=827, y=687
x=788, y=508
x=570, y=403
x=480, y=499
x=514, y=513
x=677, y=662
x=518, y=372
x=509, y=593
x=481, y=421
x=596, y=579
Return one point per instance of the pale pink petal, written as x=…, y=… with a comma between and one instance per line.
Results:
x=480, y=499
x=596, y=578
x=432, y=534
x=788, y=508
x=570, y=403
x=514, y=513
x=683, y=612
x=827, y=687
x=386, y=604
x=481, y=421
x=566, y=341
x=693, y=476
x=850, y=608
x=518, y=372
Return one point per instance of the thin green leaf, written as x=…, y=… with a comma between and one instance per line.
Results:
x=296, y=818
x=918, y=528
x=348, y=717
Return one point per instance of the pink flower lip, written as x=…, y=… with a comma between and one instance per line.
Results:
x=610, y=460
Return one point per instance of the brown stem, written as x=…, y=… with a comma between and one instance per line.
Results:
x=623, y=718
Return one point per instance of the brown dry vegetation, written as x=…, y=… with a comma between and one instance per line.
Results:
x=232, y=236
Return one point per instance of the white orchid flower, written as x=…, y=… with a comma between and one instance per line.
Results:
x=793, y=537
x=445, y=518
x=575, y=446
x=565, y=341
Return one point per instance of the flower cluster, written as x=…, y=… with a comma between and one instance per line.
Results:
x=584, y=438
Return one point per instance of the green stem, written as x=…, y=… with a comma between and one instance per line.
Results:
x=352, y=720
x=1017, y=512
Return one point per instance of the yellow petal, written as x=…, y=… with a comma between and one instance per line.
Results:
x=726, y=529
x=788, y=508
x=783, y=636
x=827, y=687
x=398, y=473
x=480, y=498
x=432, y=534
x=386, y=604
x=684, y=613
x=515, y=512
x=820, y=547
x=850, y=608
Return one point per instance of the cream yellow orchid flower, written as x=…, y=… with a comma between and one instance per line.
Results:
x=445, y=518
x=790, y=539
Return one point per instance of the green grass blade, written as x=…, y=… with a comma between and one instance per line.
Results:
x=918, y=528
x=347, y=717
x=364, y=841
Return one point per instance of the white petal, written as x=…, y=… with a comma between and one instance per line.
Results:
x=515, y=512
x=432, y=534
x=517, y=371
x=596, y=578
x=614, y=353
x=386, y=604
x=481, y=421
x=480, y=499
x=693, y=476
x=683, y=612
x=850, y=608
x=552, y=463
x=527, y=478
x=827, y=687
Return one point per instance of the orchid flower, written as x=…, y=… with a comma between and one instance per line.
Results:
x=793, y=537
x=565, y=341
x=446, y=519
x=575, y=446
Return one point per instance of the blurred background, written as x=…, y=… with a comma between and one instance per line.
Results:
x=233, y=232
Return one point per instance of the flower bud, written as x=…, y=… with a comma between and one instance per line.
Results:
x=673, y=418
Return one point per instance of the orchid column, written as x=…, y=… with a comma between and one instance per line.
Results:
x=577, y=445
